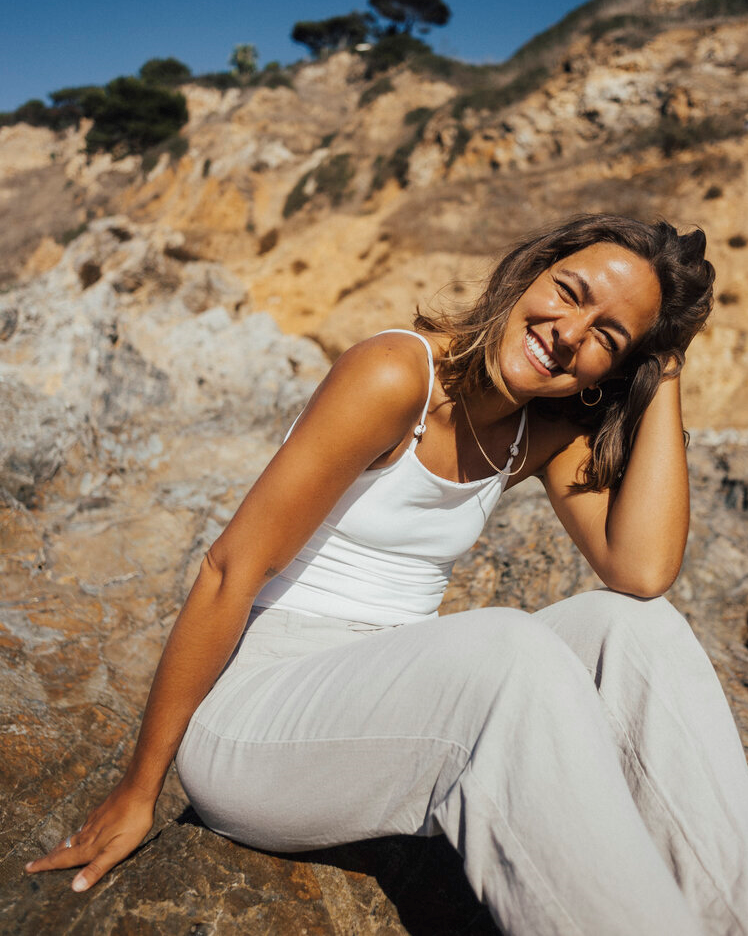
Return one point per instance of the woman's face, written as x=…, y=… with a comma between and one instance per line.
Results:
x=578, y=321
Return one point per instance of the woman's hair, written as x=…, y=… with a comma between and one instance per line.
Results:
x=685, y=277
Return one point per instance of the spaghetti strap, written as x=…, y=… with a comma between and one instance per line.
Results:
x=514, y=447
x=421, y=427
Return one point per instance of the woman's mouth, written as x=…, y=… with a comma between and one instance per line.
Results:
x=538, y=353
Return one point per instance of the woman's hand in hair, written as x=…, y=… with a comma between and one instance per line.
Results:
x=633, y=537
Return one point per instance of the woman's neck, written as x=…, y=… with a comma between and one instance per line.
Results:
x=489, y=407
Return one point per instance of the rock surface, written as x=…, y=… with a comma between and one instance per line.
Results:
x=105, y=522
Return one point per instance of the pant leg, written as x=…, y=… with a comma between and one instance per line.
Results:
x=679, y=748
x=483, y=725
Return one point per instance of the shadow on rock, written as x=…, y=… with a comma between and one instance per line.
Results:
x=422, y=877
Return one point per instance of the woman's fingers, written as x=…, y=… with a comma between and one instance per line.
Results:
x=110, y=834
x=62, y=856
x=104, y=861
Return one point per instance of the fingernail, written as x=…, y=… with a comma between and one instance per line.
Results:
x=79, y=884
x=28, y=865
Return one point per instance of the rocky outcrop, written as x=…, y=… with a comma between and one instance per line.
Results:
x=131, y=428
x=402, y=186
x=94, y=575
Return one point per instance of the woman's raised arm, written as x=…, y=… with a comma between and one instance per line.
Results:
x=364, y=408
x=633, y=538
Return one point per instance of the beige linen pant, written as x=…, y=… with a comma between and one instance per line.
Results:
x=583, y=760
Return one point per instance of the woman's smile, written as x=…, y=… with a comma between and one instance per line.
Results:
x=577, y=321
x=538, y=354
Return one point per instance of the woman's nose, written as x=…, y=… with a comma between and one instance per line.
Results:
x=569, y=331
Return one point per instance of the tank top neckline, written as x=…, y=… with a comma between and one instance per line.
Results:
x=411, y=449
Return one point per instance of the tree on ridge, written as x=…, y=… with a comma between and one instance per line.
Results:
x=334, y=34
x=409, y=13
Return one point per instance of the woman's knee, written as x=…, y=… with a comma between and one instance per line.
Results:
x=604, y=622
x=491, y=641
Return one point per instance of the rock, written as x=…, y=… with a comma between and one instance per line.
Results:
x=78, y=335
x=205, y=285
x=81, y=629
x=35, y=434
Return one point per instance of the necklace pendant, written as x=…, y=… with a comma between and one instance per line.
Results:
x=514, y=450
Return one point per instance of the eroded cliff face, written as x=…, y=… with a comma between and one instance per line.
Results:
x=423, y=185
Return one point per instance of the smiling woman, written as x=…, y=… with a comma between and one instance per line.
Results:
x=582, y=759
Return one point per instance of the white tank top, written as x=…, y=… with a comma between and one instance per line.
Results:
x=384, y=553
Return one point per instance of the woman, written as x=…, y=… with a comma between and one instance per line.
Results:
x=583, y=759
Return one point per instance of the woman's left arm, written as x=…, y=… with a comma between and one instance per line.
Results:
x=633, y=538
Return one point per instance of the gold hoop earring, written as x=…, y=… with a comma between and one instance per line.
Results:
x=594, y=402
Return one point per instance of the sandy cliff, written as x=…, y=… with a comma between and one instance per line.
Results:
x=427, y=181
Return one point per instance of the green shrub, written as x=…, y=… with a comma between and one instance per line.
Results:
x=331, y=179
x=176, y=146
x=671, y=136
x=149, y=160
x=418, y=117
x=396, y=165
x=390, y=51
x=167, y=71
x=74, y=95
x=707, y=9
x=131, y=116
x=495, y=99
x=459, y=144
x=220, y=80
x=393, y=167
x=638, y=25
x=297, y=197
x=439, y=66
x=35, y=113
x=380, y=87
x=333, y=34
x=333, y=175
x=271, y=76
x=379, y=174
x=278, y=80
x=70, y=234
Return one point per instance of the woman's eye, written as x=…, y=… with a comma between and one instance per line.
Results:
x=566, y=291
x=608, y=341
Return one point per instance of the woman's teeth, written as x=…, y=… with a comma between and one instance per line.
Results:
x=538, y=352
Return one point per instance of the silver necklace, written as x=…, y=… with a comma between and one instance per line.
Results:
x=513, y=448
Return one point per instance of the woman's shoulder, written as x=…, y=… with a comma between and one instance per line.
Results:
x=388, y=364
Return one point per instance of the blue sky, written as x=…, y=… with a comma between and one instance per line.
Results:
x=49, y=44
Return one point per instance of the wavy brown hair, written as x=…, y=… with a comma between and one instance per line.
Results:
x=686, y=279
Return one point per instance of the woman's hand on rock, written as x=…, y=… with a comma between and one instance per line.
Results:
x=109, y=834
